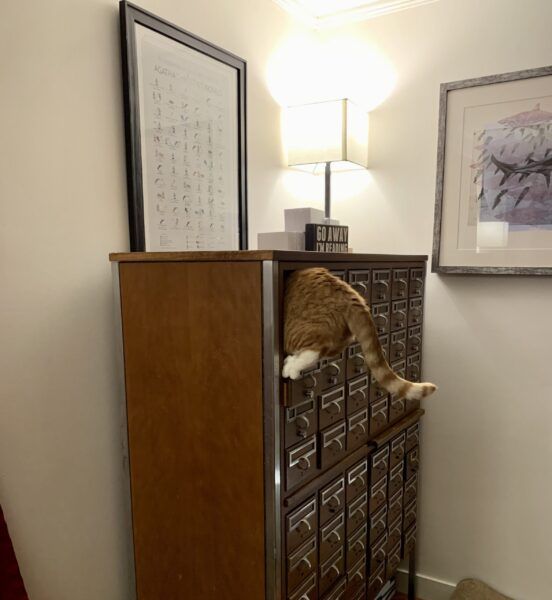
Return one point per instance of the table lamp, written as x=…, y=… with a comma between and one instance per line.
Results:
x=328, y=132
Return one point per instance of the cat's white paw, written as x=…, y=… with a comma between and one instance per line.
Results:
x=290, y=368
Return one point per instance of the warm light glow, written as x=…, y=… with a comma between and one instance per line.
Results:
x=313, y=68
x=335, y=131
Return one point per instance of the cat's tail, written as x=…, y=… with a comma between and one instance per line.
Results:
x=359, y=321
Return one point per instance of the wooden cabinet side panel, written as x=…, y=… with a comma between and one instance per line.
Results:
x=193, y=370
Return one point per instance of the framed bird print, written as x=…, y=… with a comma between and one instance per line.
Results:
x=493, y=209
x=185, y=118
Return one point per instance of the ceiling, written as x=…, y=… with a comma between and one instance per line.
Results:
x=329, y=13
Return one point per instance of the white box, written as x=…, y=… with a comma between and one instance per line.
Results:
x=296, y=218
x=281, y=240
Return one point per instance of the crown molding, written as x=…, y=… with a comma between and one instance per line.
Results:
x=364, y=10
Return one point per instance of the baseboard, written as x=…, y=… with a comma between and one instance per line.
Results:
x=427, y=587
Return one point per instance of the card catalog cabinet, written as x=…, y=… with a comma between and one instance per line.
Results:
x=245, y=486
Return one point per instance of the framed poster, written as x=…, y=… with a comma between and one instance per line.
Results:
x=185, y=118
x=493, y=209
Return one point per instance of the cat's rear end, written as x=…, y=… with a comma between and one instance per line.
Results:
x=322, y=315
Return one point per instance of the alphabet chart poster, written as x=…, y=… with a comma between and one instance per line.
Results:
x=188, y=109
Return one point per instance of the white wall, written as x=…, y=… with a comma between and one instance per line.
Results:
x=486, y=491
x=487, y=448
x=62, y=210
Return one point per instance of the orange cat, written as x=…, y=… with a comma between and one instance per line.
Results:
x=322, y=316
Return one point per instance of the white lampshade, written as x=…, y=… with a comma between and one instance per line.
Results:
x=333, y=131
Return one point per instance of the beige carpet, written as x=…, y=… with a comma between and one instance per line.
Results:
x=472, y=589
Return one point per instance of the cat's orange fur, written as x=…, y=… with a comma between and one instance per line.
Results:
x=323, y=315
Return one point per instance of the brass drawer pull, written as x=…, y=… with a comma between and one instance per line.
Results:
x=361, y=427
x=334, y=407
x=334, y=502
x=304, y=522
x=358, y=478
x=336, y=535
x=363, y=287
x=338, y=442
x=303, y=463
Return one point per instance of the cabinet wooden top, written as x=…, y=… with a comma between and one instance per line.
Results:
x=259, y=255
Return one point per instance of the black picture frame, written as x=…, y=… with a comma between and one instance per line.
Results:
x=130, y=16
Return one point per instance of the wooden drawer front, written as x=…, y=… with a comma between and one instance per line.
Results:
x=413, y=367
x=357, y=429
x=414, y=340
x=308, y=591
x=332, y=570
x=412, y=463
x=381, y=285
x=357, y=480
x=409, y=540
x=360, y=281
x=356, y=578
x=394, y=534
x=380, y=315
x=301, y=524
x=416, y=282
x=356, y=365
x=412, y=436
x=357, y=512
x=300, y=462
x=357, y=394
x=393, y=561
x=397, y=449
x=360, y=595
x=410, y=514
x=376, y=391
x=301, y=422
x=379, y=415
x=338, y=592
x=415, y=310
x=397, y=346
x=376, y=582
x=304, y=388
x=395, y=506
x=331, y=407
x=339, y=273
x=396, y=479
x=333, y=444
x=411, y=489
x=378, y=495
x=378, y=553
x=397, y=408
x=301, y=564
x=356, y=546
x=332, y=371
x=332, y=500
x=399, y=314
x=332, y=537
x=399, y=284
x=378, y=524
x=379, y=464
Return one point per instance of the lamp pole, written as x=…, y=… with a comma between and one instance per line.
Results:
x=328, y=194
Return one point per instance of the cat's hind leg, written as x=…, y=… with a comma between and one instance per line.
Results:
x=295, y=363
